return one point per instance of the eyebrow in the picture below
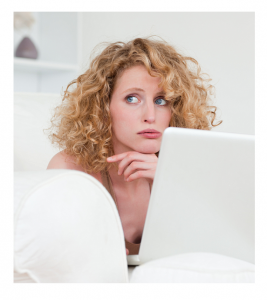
(141, 90)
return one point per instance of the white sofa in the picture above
(66, 225)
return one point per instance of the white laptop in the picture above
(202, 199)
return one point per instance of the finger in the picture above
(118, 157)
(135, 156)
(136, 165)
(141, 174)
(127, 251)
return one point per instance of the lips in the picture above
(148, 131)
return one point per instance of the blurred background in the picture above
(53, 48)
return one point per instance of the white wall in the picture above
(223, 44)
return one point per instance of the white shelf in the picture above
(57, 37)
(31, 65)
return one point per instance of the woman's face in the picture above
(138, 104)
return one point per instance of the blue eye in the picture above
(131, 99)
(161, 100)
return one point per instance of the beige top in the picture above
(133, 248)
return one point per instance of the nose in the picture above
(149, 112)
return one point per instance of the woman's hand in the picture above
(135, 165)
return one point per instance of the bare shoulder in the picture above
(63, 161)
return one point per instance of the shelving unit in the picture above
(56, 36)
(31, 65)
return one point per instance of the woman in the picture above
(110, 124)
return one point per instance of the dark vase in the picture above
(26, 49)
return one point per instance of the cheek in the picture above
(166, 118)
(122, 117)
(122, 121)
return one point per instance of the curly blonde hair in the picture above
(82, 123)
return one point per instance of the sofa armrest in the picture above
(195, 267)
(67, 229)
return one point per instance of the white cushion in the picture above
(195, 268)
(32, 114)
(67, 229)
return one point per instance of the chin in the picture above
(148, 149)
